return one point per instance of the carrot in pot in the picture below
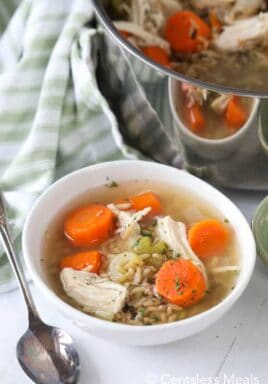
(82, 260)
(180, 282)
(144, 200)
(89, 225)
(235, 114)
(196, 119)
(187, 32)
(125, 34)
(157, 54)
(208, 238)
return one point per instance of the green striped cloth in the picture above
(68, 99)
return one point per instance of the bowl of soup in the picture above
(210, 124)
(137, 252)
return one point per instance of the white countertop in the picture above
(234, 349)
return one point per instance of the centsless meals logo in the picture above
(225, 379)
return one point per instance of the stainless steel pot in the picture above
(100, 8)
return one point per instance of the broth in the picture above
(181, 206)
(216, 125)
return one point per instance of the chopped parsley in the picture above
(145, 232)
(178, 284)
(112, 184)
(142, 311)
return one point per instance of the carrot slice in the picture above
(89, 225)
(208, 238)
(196, 119)
(235, 113)
(187, 32)
(144, 200)
(82, 260)
(180, 282)
(157, 54)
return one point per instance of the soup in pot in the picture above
(218, 41)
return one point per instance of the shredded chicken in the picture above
(245, 8)
(231, 268)
(219, 104)
(173, 233)
(129, 227)
(244, 33)
(96, 295)
(148, 38)
(151, 15)
(194, 94)
(229, 10)
(146, 20)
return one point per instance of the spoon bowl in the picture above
(48, 356)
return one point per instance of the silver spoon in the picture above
(46, 354)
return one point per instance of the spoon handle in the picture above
(14, 262)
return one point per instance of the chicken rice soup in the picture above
(140, 253)
(209, 114)
(219, 41)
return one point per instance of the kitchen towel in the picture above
(70, 97)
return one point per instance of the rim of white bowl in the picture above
(172, 83)
(227, 302)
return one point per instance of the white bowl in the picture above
(60, 194)
(207, 148)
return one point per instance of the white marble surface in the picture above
(232, 350)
